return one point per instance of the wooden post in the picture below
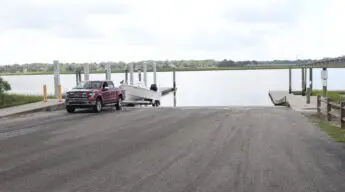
(309, 89)
(174, 78)
(290, 90)
(56, 65)
(302, 79)
(76, 78)
(342, 114)
(305, 79)
(318, 104)
(328, 109)
(45, 95)
(59, 93)
(311, 79)
(308, 95)
(145, 73)
(154, 66)
(131, 80)
(126, 76)
(175, 98)
(139, 75)
(79, 76)
(324, 91)
(86, 71)
(108, 72)
(324, 82)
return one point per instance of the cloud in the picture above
(62, 19)
(284, 12)
(95, 30)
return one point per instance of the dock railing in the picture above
(331, 109)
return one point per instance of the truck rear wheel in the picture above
(118, 105)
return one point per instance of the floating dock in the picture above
(296, 102)
(166, 90)
(278, 98)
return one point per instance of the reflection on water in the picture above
(200, 88)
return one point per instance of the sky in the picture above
(133, 30)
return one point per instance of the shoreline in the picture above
(170, 70)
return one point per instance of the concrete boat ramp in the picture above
(254, 149)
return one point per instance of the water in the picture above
(201, 88)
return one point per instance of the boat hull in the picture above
(134, 93)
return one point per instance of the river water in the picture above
(200, 88)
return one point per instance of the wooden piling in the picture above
(305, 79)
(126, 76)
(308, 95)
(45, 94)
(324, 81)
(86, 71)
(145, 73)
(311, 79)
(290, 89)
(329, 107)
(318, 104)
(131, 79)
(78, 76)
(59, 93)
(342, 114)
(56, 65)
(174, 79)
(302, 80)
(154, 66)
(175, 98)
(139, 75)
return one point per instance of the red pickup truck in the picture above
(95, 95)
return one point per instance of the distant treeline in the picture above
(71, 67)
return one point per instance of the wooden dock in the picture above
(296, 102)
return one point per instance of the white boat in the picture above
(136, 92)
(140, 92)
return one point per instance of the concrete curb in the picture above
(56, 107)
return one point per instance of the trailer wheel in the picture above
(156, 103)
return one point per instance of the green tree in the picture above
(4, 86)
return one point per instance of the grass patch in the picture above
(11, 100)
(336, 96)
(335, 132)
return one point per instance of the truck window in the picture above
(89, 85)
(111, 84)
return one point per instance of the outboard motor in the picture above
(153, 87)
